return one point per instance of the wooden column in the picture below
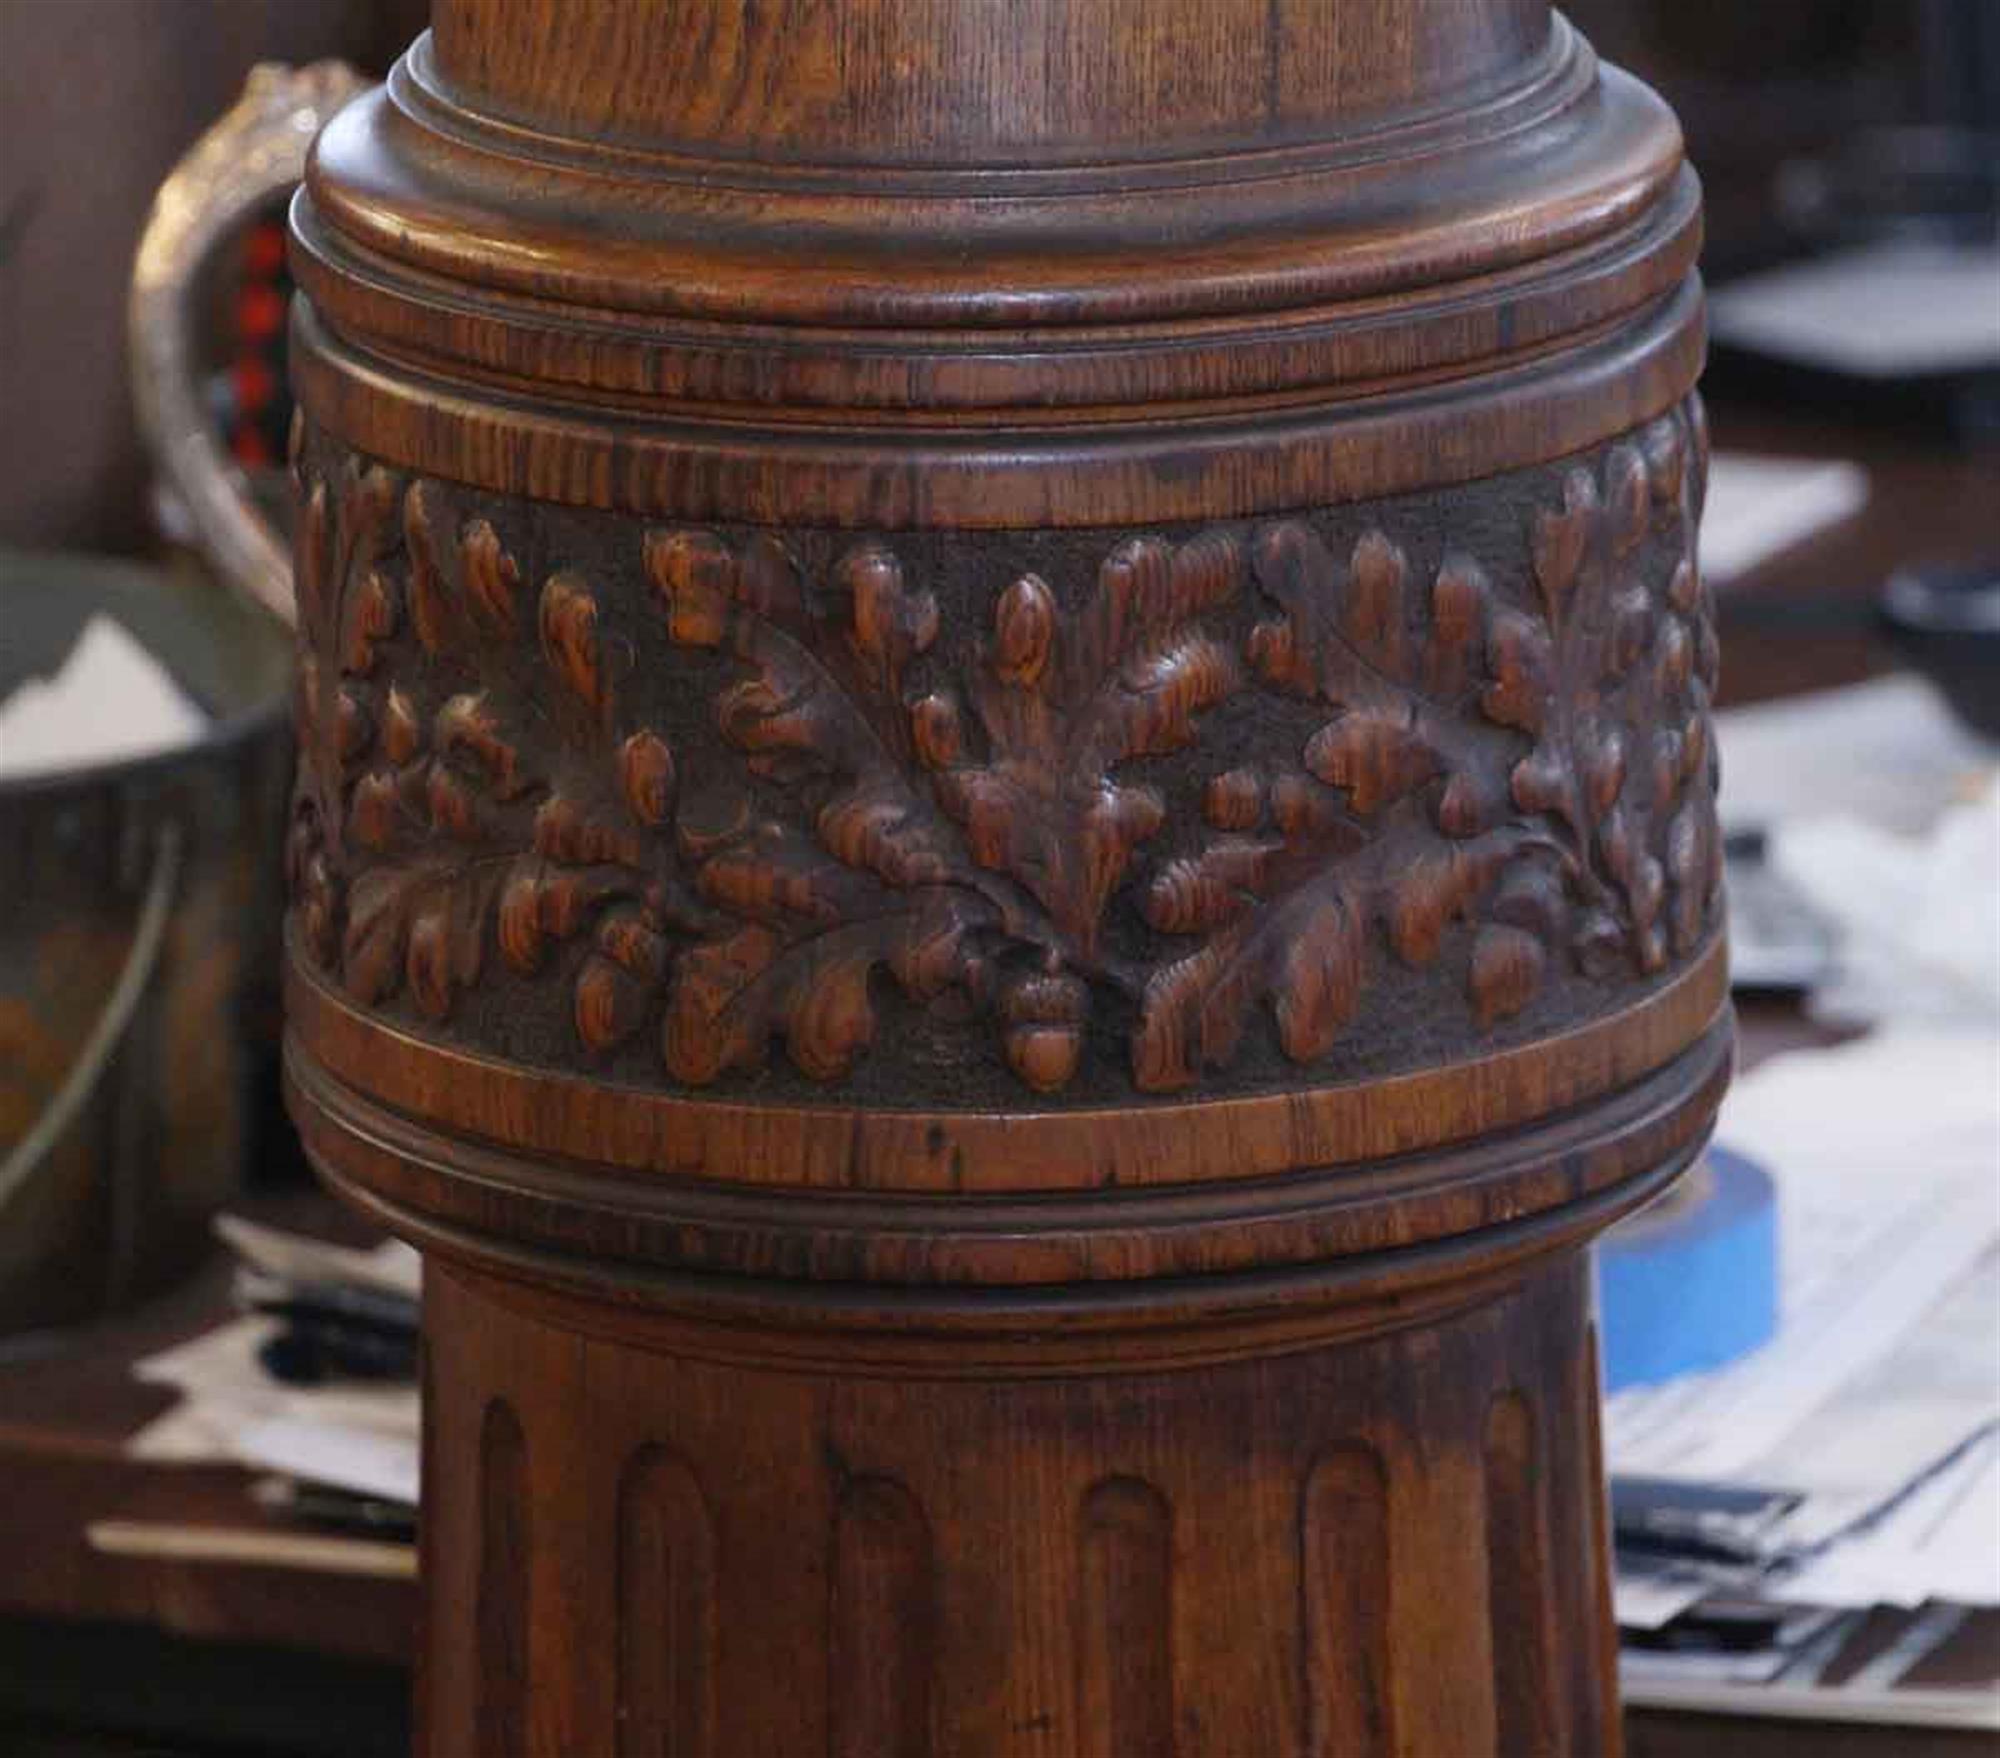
(1005, 839)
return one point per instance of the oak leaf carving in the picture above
(435, 826)
(1509, 783)
(1056, 704)
(872, 880)
(1610, 676)
(1385, 830)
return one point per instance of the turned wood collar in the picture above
(858, 274)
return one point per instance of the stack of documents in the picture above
(313, 1385)
(1854, 1461)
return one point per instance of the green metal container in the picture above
(139, 914)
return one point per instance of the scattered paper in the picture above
(1923, 1638)
(392, 1266)
(1893, 1706)
(1942, 1542)
(1888, 753)
(1757, 508)
(1927, 1401)
(1876, 1408)
(1648, 1593)
(1878, 1402)
(1881, 311)
(359, 1435)
(253, 1547)
(226, 1395)
(110, 700)
(1917, 917)
(1666, 1667)
(366, 1461)
(1885, 1155)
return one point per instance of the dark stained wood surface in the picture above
(925, 84)
(1198, 638)
(64, 1418)
(1005, 838)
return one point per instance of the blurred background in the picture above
(98, 99)
(208, 1426)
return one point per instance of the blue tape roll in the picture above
(1691, 1283)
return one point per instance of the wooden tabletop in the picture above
(67, 1412)
(66, 1416)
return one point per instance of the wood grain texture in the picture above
(922, 83)
(883, 1624)
(1386, 300)
(1125, 1657)
(667, 1596)
(500, 1603)
(1588, 1440)
(1005, 839)
(1200, 1562)
(1518, 1558)
(1345, 1582)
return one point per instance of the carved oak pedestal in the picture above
(1005, 839)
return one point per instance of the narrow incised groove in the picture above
(667, 1610)
(502, 1609)
(883, 1618)
(1125, 1661)
(1344, 1589)
(1521, 1577)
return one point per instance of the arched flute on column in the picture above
(1005, 839)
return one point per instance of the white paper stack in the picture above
(110, 700)
(1881, 311)
(1864, 1439)
(1759, 507)
(1886, 1154)
(355, 1436)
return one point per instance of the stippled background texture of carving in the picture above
(943, 819)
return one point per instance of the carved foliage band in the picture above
(727, 793)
